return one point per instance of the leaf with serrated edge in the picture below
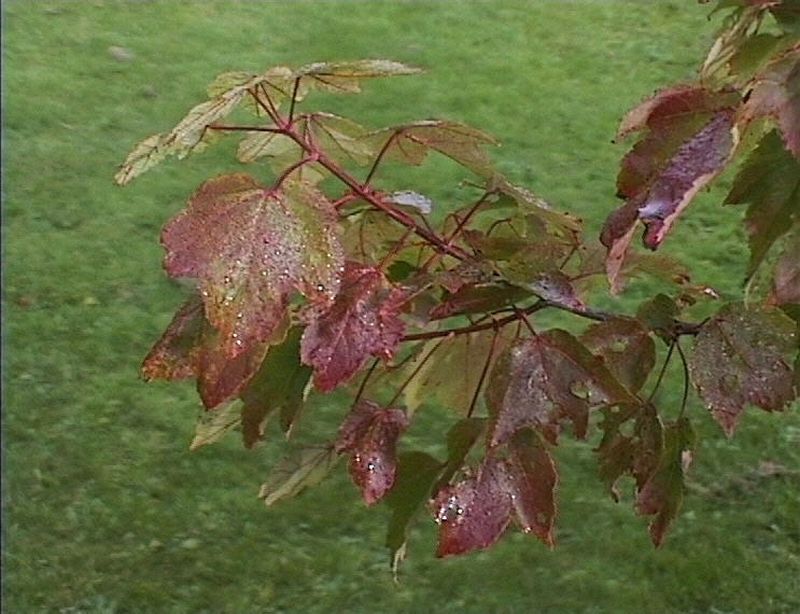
(251, 248)
(212, 425)
(541, 381)
(741, 357)
(627, 348)
(363, 321)
(532, 481)
(410, 143)
(770, 183)
(370, 434)
(662, 495)
(345, 77)
(175, 354)
(474, 513)
(227, 92)
(304, 468)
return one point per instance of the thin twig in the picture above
(484, 371)
(663, 370)
(685, 378)
(294, 99)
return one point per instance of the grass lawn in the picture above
(105, 508)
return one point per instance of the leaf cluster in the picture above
(310, 279)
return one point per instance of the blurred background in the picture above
(105, 508)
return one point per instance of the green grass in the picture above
(107, 511)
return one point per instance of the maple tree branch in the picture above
(474, 328)
(294, 99)
(290, 169)
(367, 194)
(484, 371)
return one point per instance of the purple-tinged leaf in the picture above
(541, 381)
(474, 513)
(369, 434)
(626, 347)
(220, 377)
(662, 494)
(251, 248)
(770, 183)
(688, 141)
(532, 481)
(363, 321)
(742, 356)
(175, 354)
(694, 165)
(301, 469)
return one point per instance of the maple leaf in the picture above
(345, 77)
(688, 142)
(741, 357)
(175, 354)
(416, 475)
(191, 134)
(662, 494)
(532, 480)
(474, 513)
(362, 321)
(775, 93)
(410, 143)
(191, 347)
(370, 434)
(302, 468)
(786, 282)
(626, 347)
(250, 248)
(453, 372)
(213, 425)
(540, 381)
(770, 182)
(637, 454)
(278, 386)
